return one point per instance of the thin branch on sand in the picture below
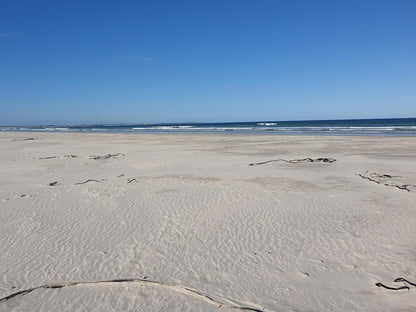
(387, 180)
(89, 180)
(178, 288)
(95, 157)
(295, 161)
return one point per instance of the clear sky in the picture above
(72, 62)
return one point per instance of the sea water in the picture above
(398, 127)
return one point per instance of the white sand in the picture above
(274, 237)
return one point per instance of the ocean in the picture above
(395, 127)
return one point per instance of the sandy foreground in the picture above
(183, 223)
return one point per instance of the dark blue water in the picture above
(399, 127)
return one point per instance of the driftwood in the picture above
(26, 139)
(131, 180)
(65, 156)
(295, 161)
(392, 288)
(398, 280)
(95, 157)
(89, 180)
(401, 279)
(387, 180)
(178, 288)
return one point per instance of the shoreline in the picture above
(226, 133)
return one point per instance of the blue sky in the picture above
(72, 62)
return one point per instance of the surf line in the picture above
(178, 288)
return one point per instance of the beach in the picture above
(204, 222)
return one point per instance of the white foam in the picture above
(267, 123)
